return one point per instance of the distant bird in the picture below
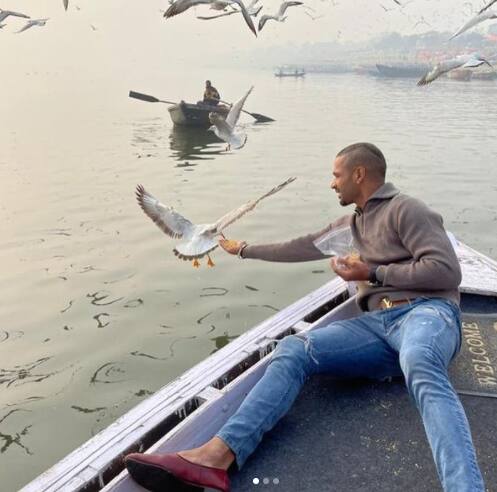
(465, 61)
(280, 15)
(313, 17)
(477, 19)
(252, 10)
(32, 23)
(66, 4)
(5, 13)
(487, 6)
(197, 240)
(180, 6)
(225, 128)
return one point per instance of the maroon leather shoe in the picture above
(172, 473)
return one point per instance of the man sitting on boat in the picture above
(410, 327)
(211, 95)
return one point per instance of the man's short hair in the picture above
(208, 82)
(367, 155)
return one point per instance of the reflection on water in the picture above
(194, 144)
(96, 311)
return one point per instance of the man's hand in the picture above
(350, 268)
(232, 246)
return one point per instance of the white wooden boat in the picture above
(356, 435)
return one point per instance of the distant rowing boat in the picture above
(368, 430)
(187, 114)
(289, 73)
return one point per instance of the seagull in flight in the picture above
(32, 23)
(464, 61)
(477, 19)
(5, 13)
(198, 240)
(179, 6)
(225, 128)
(280, 15)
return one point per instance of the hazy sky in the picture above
(134, 32)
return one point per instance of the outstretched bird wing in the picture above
(246, 16)
(166, 218)
(236, 109)
(231, 12)
(487, 6)
(5, 13)
(179, 6)
(440, 69)
(66, 4)
(285, 5)
(234, 215)
(485, 15)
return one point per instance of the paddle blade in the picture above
(261, 118)
(143, 97)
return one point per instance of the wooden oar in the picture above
(259, 117)
(145, 97)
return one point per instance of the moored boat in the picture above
(368, 431)
(187, 114)
(402, 71)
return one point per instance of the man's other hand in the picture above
(350, 268)
(232, 246)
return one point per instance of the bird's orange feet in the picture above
(196, 264)
(209, 261)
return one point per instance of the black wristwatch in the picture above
(372, 276)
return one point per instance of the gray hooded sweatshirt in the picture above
(394, 232)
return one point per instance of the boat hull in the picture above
(378, 419)
(194, 115)
(402, 71)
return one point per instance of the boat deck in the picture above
(367, 435)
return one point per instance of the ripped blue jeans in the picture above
(416, 340)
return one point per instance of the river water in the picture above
(97, 313)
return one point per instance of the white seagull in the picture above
(5, 13)
(225, 128)
(280, 15)
(197, 240)
(477, 19)
(32, 23)
(179, 6)
(464, 61)
(252, 10)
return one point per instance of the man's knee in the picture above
(293, 352)
(422, 368)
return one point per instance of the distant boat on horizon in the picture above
(412, 70)
(289, 72)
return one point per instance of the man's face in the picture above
(343, 182)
